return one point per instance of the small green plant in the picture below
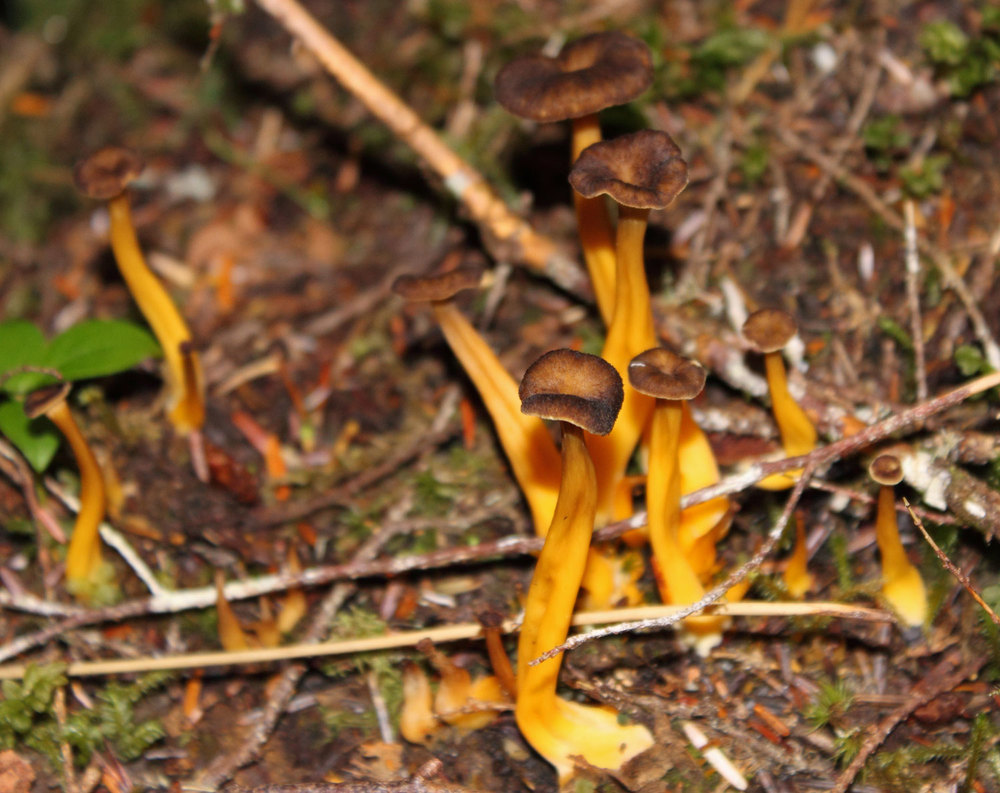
(926, 177)
(885, 140)
(26, 716)
(831, 704)
(94, 348)
(964, 62)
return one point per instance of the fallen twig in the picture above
(655, 616)
(949, 565)
(942, 678)
(513, 238)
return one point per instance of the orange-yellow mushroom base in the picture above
(557, 729)
(902, 585)
(186, 404)
(798, 434)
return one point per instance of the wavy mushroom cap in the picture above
(439, 287)
(590, 74)
(643, 170)
(886, 470)
(664, 374)
(565, 385)
(769, 329)
(42, 400)
(106, 173)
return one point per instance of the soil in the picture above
(278, 213)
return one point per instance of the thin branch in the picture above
(711, 596)
(513, 237)
(913, 298)
(649, 616)
(949, 565)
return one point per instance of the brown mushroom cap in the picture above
(886, 470)
(643, 169)
(769, 329)
(566, 385)
(106, 173)
(438, 287)
(590, 74)
(41, 400)
(664, 374)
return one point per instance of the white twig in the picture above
(714, 756)
(913, 297)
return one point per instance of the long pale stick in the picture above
(515, 238)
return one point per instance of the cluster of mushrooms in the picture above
(635, 396)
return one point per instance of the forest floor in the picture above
(341, 430)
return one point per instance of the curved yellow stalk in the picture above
(797, 577)
(630, 333)
(83, 559)
(184, 377)
(702, 525)
(597, 235)
(533, 455)
(902, 585)
(560, 730)
(798, 435)
(676, 578)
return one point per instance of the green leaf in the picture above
(36, 439)
(95, 348)
(969, 360)
(21, 344)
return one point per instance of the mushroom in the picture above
(530, 449)
(105, 176)
(590, 74)
(83, 559)
(671, 380)
(583, 393)
(769, 330)
(902, 585)
(798, 580)
(641, 171)
(417, 722)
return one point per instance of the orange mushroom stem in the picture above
(769, 330)
(530, 449)
(105, 175)
(671, 380)
(798, 580)
(581, 392)
(902, 585)
(641, 171)
(83, 559)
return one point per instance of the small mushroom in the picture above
(671, 380)
(583, 393)
(769, 330)
(533, 456)
(105, 175)
(590, 74)
(640, 171)
(83, 558)
(902, 585)
(798, 580)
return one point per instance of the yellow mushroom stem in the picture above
(560, 730)
(597, 235)
(83, 559)
(533, 455)
(630, 333)
(677, 580)
(902, 585)
(702, 525)
(797, 577)
(186, 404)
(417, 722)
(798, 435)
(231, 633)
